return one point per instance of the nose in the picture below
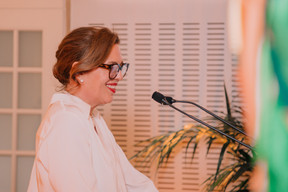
(119, 76)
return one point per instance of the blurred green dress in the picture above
(272, 145)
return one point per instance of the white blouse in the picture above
(72, 157)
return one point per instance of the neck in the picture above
(75, 89)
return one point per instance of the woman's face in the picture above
(96, 88)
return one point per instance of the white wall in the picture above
(44, 23)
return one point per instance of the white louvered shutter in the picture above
(180, 53)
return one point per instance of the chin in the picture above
(107, 101)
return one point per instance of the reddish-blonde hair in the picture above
(88, 46)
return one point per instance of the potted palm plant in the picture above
(158, 149)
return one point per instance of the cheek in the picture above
(97, 87)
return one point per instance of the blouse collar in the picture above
(68, 99)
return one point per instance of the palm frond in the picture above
(223, 149)
(209, 143)
(228, 108)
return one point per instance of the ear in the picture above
(77, 78)
(74, 65)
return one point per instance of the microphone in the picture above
(160, 98)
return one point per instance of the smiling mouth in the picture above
(112, 87)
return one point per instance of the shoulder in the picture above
(63, 119)
(59, 110)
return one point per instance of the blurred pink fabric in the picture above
(72, 156)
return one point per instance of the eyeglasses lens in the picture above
(124, 70)
(115, 70)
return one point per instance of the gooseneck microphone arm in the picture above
(162, 100)
(207, 125)
(214, 115)
(158, 96)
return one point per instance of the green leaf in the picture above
(247, 157)
(224, 147)
(211, 139)
(188, 144)
(194, 149)
(241, 187)
(219, 180)
(240, 171)
(228, 108)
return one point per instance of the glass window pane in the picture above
(30, 49)
(24, 168)
(6, 90)
(6, 48)
(27, 128)
(5, 131)
(5, 173)
(29, 90)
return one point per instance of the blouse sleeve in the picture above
(70, 164)
(135, 180)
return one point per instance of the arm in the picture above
(135, 181)
(69, 159)
(253, 26)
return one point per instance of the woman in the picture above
(75, 151)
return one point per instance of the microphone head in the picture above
(158, 97)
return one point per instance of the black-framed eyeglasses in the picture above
(115, 68)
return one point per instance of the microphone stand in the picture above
(207, 125)
(214, 115)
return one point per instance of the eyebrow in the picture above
(114, 62)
